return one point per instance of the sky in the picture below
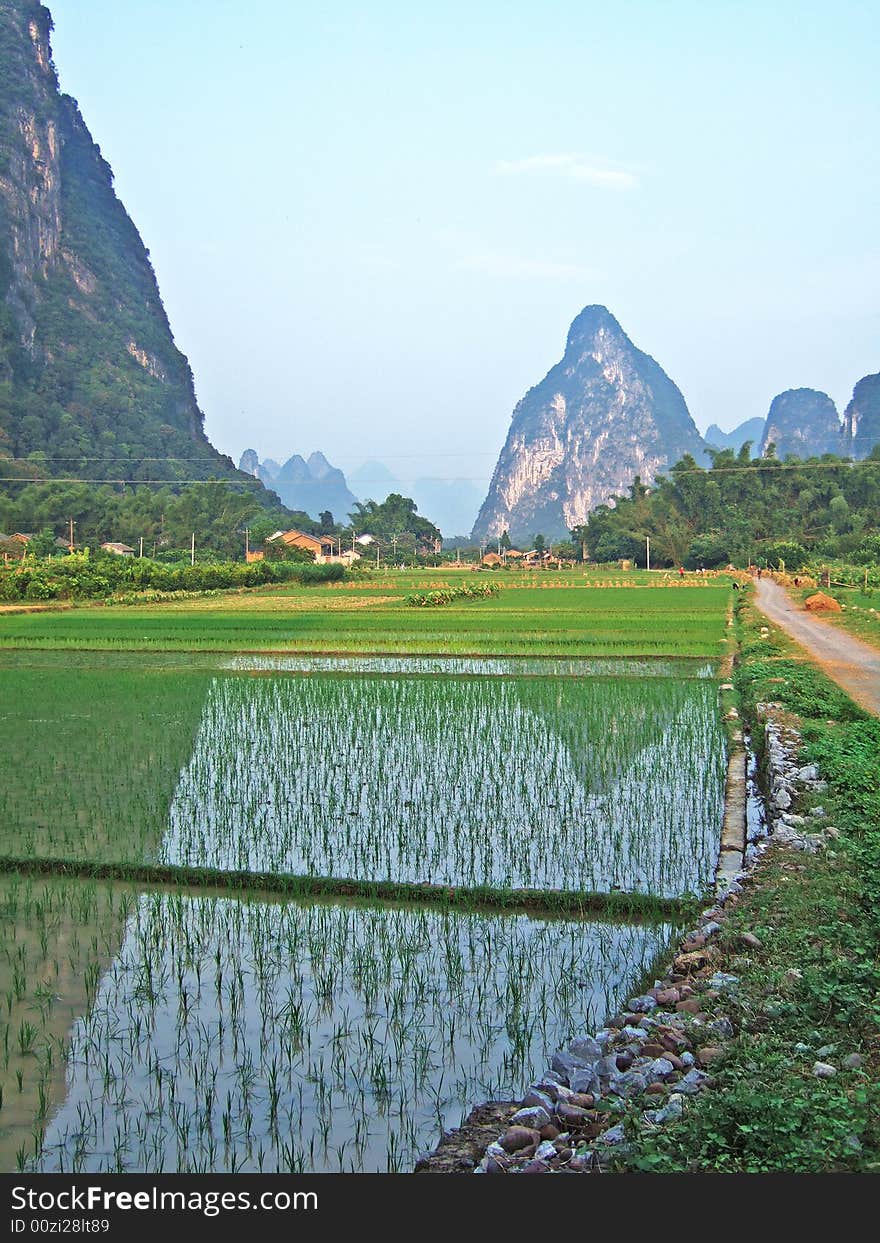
(372, 223)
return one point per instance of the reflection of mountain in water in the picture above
(524, 783)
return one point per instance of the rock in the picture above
(824, 1070)
(606, 1067)
(583, 1081)
(708, 1054)
(690, 1005)
(518, 1137)
(604, 392)
(533, 1117)
(625, 1059)
(668, 1113)
(642, 1005)
(723, 980)
(659, 1069)
(692, 1082)
(668, 996)
(827, 1050)
(711, 928)
(631, 1083)
(571, 1115)
(821, 603)
(782, 799)
(549, 1132)
(556, 1091)
(614, 1135)
(585, 1048)
(546, 1152)
(536, 1099)
(491, 1166)
(808, 773)
(722, 1028)
(583, 1100)
(750, 941)
(655, 1089)
(852, 1061)
(535, 1167)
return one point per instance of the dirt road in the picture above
(851, 663)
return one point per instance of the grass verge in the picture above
(811, 991)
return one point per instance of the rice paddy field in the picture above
(558, 738)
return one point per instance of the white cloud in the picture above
(495, 264)
(574, 167)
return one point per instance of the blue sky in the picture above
(373, 223)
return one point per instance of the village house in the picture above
(324, 548)
(118, 550)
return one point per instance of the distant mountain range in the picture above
(315, 487)
(607, 413)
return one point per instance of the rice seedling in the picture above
(510, 783)
(389, 1044)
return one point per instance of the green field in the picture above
(510, 764)
(570, 616)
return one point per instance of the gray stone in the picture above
(537, 1099)
(586, 1048)
(693, 1081)
(545, 1151)
(809, 772)
(630, 1083)
(534, 1116)
(824, 1070)
(658, 1069)
(585, 1081)
(710, 929)
(852, 1061)
(827, 1050)
(606, 1067)
(722, 1027)
(642, 1005)
(722, 980)
(782, 799)
(668, 1113)
(614, 1135)
(556, 1091)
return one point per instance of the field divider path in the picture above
(852, 664)
(731, 856)
(629, 907)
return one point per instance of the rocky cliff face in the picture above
(861, 419)
(604, 414)
(92, 376)
(802, 423)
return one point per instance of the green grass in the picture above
(564, 620)
(816, 980)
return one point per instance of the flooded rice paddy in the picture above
(186, 1030)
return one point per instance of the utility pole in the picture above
(141, 553)
(247, 546)
(70, 545)
(192, 551)
(377, 554)
(647, 552)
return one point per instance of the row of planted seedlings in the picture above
(237, 1033)
(218, 1033)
